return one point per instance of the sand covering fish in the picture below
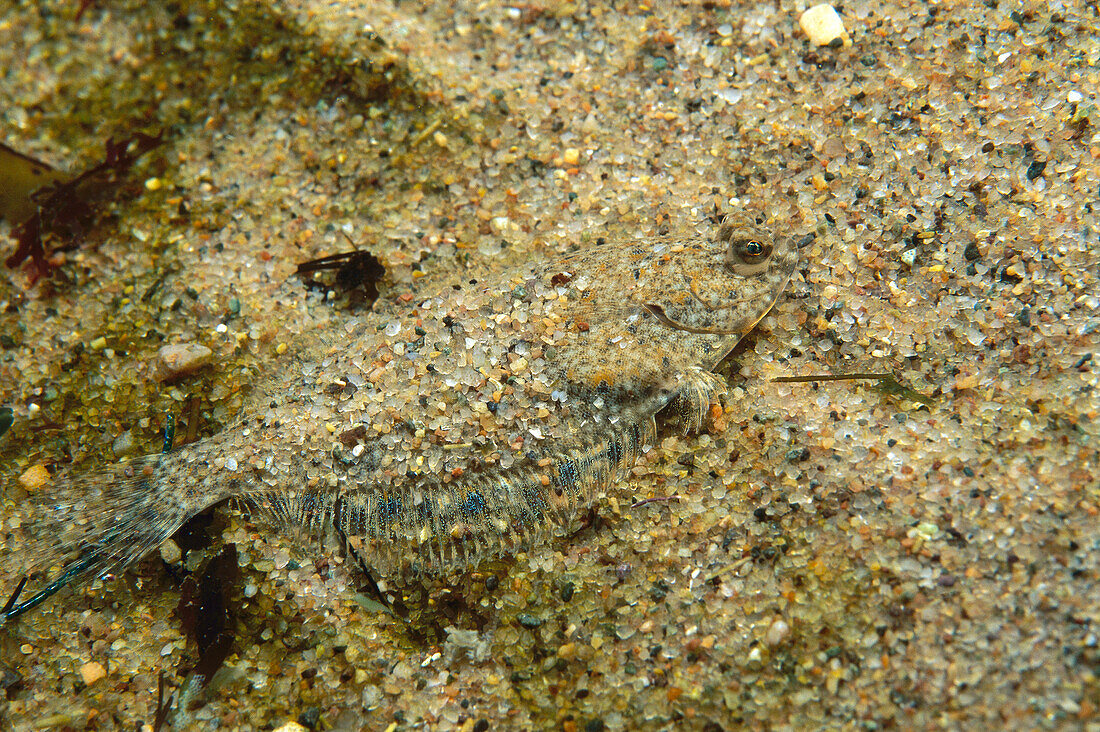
(482, 419)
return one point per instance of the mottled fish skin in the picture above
(478, 421)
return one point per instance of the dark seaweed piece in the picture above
(207, 612)
(11, 611)
(355, 270)
(163, 709)
(13, 598)
(84, 5)
(63, 208)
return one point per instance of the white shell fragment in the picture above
(823, 26)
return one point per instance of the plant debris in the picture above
(887, 384)
(62, 209)
(163, 708)
(357, 274)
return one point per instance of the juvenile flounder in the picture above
(478, 421)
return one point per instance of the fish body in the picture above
(480, 419)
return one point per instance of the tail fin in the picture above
(85, 527)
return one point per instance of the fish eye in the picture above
(750, 251)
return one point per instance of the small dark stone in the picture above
(946, 580)
(528, 621)
(867, 59)
(891, 442)
(492, 582)
(972, 253)
(760, 514)
(594, 725)
(481, 725)
(567, 591)
(310, 717)
(1035, 169)
(988, 147)
(798, 454)
(1024, 317)
(968, 471)
(972, 270)
(7, 419)
(10, 680)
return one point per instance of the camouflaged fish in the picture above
(480, 420)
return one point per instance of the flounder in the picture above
(481, 419)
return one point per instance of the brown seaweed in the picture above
(64, 208)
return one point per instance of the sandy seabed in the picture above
(829, 555)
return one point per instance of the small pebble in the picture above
(170, 552)
(798, 454)
(181, 359)
(777, 633)
(92, 672)
(124, 444)
(310, 717)
(528, 621)
(291, 727)
(824, 27)
(34, 478)
(571, 156)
